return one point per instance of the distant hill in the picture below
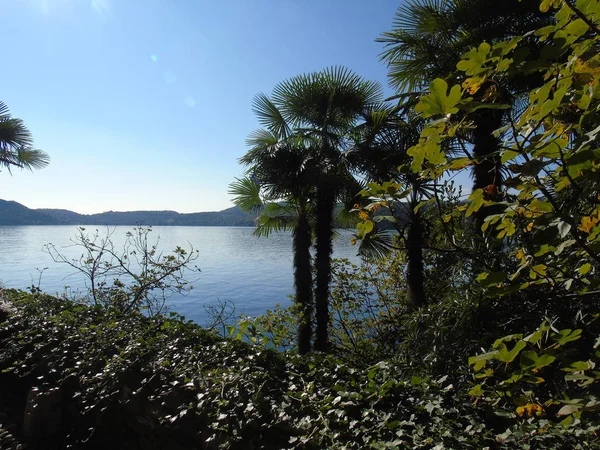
(13, 213)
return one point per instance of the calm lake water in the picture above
(254, 273)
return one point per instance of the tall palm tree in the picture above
(319, 112)
(427, 41)
(278, 186)
(325, 108)
(16, 144)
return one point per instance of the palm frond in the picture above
(275, 217)
(422, 16)
(345, 217)
(261, 138)
(247, 192)
(14, 133)
(376, 246)
(30, 158)
(270, 116)
(16, 144)
(3, 110)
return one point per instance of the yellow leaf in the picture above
(587, 223)
(459, 163)
(521, 256)
(472, 85)
(547, 4)
(583, 67)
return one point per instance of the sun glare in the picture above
(53, 6)
(100, 6)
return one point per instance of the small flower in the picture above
(363, 215)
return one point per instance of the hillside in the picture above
(13, 213)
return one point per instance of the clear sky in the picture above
(146, 104)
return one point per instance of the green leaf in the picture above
(530, 360)
(531, 168)
(479, 361)
(584, 269)
(474, 60)
(476, 391)
(539, 270)
(438, 102)
(509, 338)
(429, 148)
(565, 336)
(459, 163)
(475, 202)
(506, 228)
(508, 155)
(365, 227)
(578, 366)
(506, 355)
(490, 279)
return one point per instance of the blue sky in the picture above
(146, 104)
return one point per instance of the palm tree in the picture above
(318, 112)
(16, 144)
(278, 186)
(383, 147)
(427, 41)
(325, 108)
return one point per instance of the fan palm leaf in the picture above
(16, 144)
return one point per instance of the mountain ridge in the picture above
(14, 213)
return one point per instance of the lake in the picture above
(254, 273)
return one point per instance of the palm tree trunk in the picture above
(324, 232)
(303, 282)
(486, 171)
(414, 263)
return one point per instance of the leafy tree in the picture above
(549, 221)
(16, 144)
(551, 148)
(427, 41)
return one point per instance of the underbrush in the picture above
(123, 377)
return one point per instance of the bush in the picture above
(135, 277)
